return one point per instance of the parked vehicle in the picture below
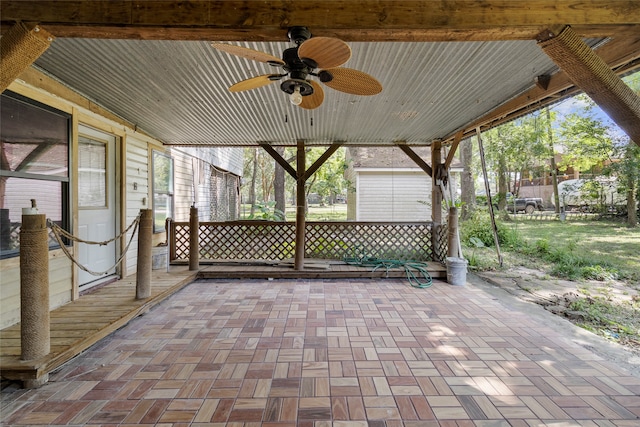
(517, 204)
(524, 204)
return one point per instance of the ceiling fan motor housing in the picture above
(298, 34)
(298, 72)
(289, 86)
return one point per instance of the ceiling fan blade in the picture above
(327, 52)
(254, 82)
(245, 52)
(314, 100)
(353, 81)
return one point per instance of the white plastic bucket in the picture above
(456, 271)
(158, 257)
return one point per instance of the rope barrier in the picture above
(70, 236)
(59, 233)
(413, 269)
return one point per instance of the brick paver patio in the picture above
(332, 353)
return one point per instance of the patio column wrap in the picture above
(589, 72)
(143, 272)
(452, 232)
(194, 239)
(19, 48)
(35, 333)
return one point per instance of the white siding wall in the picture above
(138, 174)
(393, 196)
(59, 286)
(192, 166)
(137, 194)
(225, 158)
(183, 176)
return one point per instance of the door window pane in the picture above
(92, 173)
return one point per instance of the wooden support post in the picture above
(300, 207)
(436, 197)
(594, 77)
(452, 233)
(194, 239)
(436, 193)
(35, 335)
(143, 272)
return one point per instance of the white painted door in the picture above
(97, 210)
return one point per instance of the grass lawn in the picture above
(608, 244)
(337, 212)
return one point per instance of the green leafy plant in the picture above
(475, 243)
(479, 226)
(267, 211)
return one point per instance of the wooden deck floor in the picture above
(80, 324)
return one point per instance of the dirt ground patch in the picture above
(609, 309)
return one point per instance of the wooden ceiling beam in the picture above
(365, 20)
(347, 34)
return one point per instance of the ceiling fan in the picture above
(320, 57)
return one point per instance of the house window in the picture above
(162, 190)
(34, 164)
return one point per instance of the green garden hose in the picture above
(413, 269)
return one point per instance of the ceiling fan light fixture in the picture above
(296, 88)
(296, 96)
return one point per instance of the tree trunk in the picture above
(632, 213)
(467, 185)
(252, 184)
(267, 177)
(278, 184)
(554, 170)
(502, 183)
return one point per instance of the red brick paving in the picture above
(343, 353)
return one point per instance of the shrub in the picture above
(479, 226)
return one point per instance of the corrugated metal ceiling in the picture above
(177, 91)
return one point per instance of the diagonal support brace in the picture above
(19, 48)
(589, 72)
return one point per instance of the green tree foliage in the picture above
(327, 182)
(513, 148)
(586, 139)
(593, 144)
